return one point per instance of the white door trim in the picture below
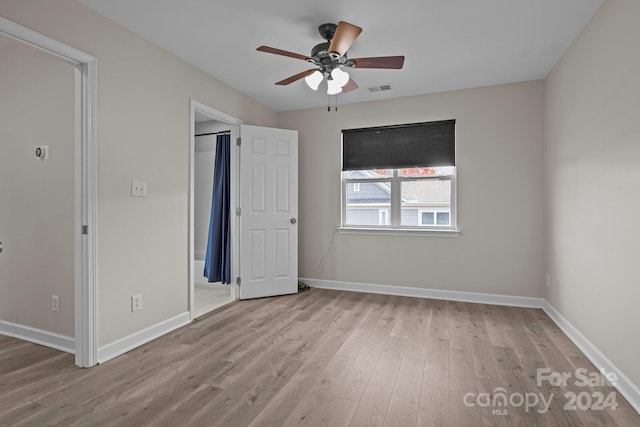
(234, 171)
(85, 265)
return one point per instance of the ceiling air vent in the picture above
(380, 88)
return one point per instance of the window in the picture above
(427, 218)
(436, 218)
(384, 215)
(402, 180)
(424, 197)
(443, 218)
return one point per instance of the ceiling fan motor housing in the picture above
(327, 31)
(320, 51)
(326, 60)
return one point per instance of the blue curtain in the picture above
(217, 265)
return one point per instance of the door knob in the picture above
(1, 247)
(293, 220)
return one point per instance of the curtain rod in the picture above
(214, 133)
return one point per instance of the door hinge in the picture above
(238, 281)
(238, 141)
(85, 229)
(238, 211)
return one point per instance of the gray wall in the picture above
(36, 197)
(500, 195)
(592, 144)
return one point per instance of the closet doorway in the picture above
(207, 127)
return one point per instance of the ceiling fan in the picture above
(330, 58)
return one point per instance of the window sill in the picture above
(399, 231)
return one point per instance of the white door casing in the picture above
(268, 212)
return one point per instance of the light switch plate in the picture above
(138, 188)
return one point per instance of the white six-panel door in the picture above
(269, 212)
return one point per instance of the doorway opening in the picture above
(84, 246)
(263, 192)
(206, 124)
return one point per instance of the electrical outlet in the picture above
(138, 188)
(136, 303)
(548, 280)
(55, 303)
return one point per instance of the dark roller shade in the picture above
(428, 144)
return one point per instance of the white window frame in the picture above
(395, 182)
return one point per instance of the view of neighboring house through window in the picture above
(420, 196)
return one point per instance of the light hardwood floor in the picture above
(319, 358)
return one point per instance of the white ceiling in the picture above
(448, 44)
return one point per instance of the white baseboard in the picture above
(474, 297)
(624, 385)
(38, 336)
(121, 346)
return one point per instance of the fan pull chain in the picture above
(329, 103)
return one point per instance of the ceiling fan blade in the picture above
(389, 62)
(351, 85)
(296, 77)
(273, 50)
(344, 37)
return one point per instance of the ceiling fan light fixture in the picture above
(333, 87)
(314, 79)
(330, 59)
(340, 77)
